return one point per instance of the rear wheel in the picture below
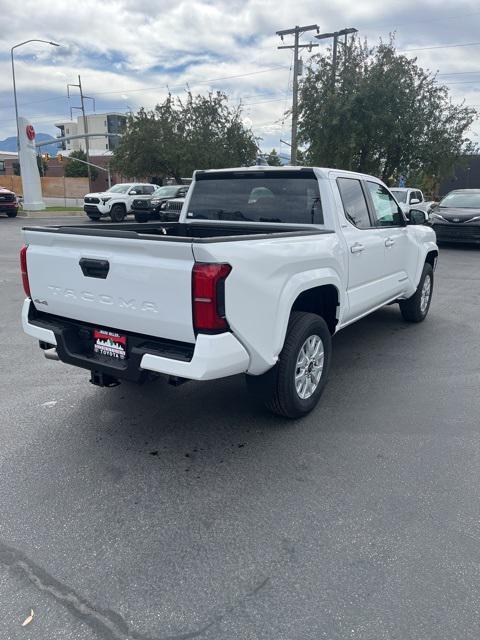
(415, 309)
(294, 385)
(12, 214)
(141, 217)
(118, 213)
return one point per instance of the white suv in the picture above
(117, 201)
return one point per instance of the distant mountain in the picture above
(10, 144)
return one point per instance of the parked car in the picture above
(172, 209)
(456, 218)
(8, 202)
(408, 197)
(152, 207)
(241, 284)
(116, 202)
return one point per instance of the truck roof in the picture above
(322, 171)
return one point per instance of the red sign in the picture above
(30, 132)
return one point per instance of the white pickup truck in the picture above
(117, 201)
(264, 266)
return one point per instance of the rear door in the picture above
(366, 252)
(114, 280)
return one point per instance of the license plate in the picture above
(109, 343)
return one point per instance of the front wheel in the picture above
(12, 214)
(415, 308)
(294, 385)
(118, 213)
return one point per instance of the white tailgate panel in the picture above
(147, 289)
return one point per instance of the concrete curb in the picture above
(49, 214)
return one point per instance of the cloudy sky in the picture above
(129, 52)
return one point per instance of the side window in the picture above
(385, 209)
(148, 189)
(354, 204)
(420, 196)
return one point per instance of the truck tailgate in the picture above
(132, 284)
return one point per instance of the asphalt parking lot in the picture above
(155, 513)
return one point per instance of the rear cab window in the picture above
(283, 196)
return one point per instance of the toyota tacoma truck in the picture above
(116, 202)
(263, 267)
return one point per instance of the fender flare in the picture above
(296, 285)
(427, 247)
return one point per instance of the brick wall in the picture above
(52, 187)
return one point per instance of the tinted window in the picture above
(148, 189)
(354, 203)
(260, 196)
(385, 209)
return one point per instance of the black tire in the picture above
(276, 388)
(12, 214)
(118, 213)
(93, 218)
(414, 309)
(141, 217)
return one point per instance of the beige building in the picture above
(101, 123)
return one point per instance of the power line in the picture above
(441, 46)
(160, 86)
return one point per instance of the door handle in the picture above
(389, 242)
(357, 247)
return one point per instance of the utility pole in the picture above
(296, 32)
(335, 35)
(85, 123)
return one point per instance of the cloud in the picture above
(131, 52)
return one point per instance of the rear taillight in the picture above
(24, 270)
(208, 296)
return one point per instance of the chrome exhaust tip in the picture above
(51, 354)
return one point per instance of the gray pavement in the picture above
(152, 512)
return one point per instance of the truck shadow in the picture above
(220, 416)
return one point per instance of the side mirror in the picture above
(133, 192)
(414, 201)
(417, 216)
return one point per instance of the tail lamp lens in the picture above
(208, 293)
(24, 270)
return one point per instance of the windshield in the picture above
(119, 188)
(270, 196)
(459, 200)
(401, 196)
(165, 192)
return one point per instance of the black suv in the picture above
(152, 207)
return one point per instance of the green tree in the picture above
(381, 114)
(42, 164)
(78, 169)
(273, 159)
(179, 136)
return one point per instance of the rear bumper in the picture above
(211, 357)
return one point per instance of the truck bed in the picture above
(185, 232)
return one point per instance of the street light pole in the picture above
(20, 44)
